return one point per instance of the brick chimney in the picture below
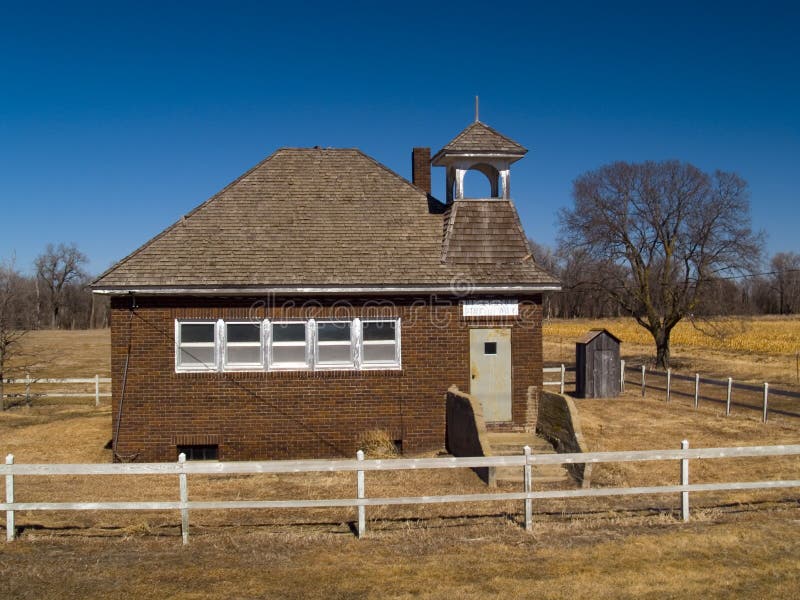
(421, 168)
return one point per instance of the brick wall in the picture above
(421, 168)
(260, 415)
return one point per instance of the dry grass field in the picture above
(754, 349)
(736, 545)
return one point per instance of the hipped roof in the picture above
(327, 217)
(479, 138)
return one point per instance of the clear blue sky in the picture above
(115, 119)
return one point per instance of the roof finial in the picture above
(476, 109)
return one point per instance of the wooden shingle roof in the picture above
(480, 138)
(320, 217)
(484, 232)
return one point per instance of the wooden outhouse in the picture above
(597, 365)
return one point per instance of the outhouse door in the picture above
(490, 371)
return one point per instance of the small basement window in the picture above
(196, 345)
(200, 452)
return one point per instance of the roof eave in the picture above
(443, 153)
(500, 288)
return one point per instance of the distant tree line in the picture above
(54, 296)
(773, 291)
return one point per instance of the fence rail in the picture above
(525, 461)
(729, 384)
(28, 382)
(562, 370)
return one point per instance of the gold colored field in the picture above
(756, 335)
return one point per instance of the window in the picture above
(196, 342)
(243, 345)
(490, 347)
(200, 452)
(334, 343)
(288, 345)
(380, 343)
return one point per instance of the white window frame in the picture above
(255, 366)
(307, 344)
(180, 345)
(383, 364)
(312, 345)
(351, 364)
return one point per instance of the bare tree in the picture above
(670, 227)
(10, 331)
(786, 281)
(56, 269)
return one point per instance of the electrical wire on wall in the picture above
(114, 441)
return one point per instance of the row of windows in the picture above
(290, 345)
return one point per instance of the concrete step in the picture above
(509, 444)
(540, 474)
(512, 444)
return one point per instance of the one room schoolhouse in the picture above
(320, 297)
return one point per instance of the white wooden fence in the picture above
(668, 376)
(562, 371)
(525, 461)
(30, 382)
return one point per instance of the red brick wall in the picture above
(263, 415)
(421, 168)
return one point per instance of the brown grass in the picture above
(741, 545)
(62, 354)
(753, 349)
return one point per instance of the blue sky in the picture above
(117, 118)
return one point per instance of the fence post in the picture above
(669, 382)
(685, 481)
(527, 483)
(563, 372)
(766, 395)
(184, 498)
(10, 530)
(97, 390)
(27, 389)
(643, 370)
(362, 517)
(696, 389)
(622, 375)
(728, 397)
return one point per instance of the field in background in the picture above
(753, 349)
(67, 354)
(741, 544)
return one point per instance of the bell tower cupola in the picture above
(479, 148)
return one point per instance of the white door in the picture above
(490, 371)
